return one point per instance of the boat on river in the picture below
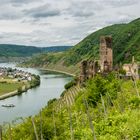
(8, 105)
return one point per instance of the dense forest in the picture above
(106, 108)
(7, 50)
(126, 43)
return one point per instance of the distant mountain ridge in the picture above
(8, 50)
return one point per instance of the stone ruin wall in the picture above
(90, 68)
(106, 54)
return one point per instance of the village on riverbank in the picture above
(14, 82)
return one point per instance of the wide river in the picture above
(31, 102)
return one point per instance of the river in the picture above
(31, 102)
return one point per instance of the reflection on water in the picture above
(30, 102)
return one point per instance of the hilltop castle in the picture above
(105, 64)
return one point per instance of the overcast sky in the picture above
(60, 22)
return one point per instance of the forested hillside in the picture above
(17, 50)
(7, 50)
(126, 43)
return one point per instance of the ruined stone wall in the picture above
(132, 69)
(91, 71)
(106, 54)
(83, 74)
(88, 70)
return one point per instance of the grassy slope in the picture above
(121, 120)
(126, 43)
(9, 87)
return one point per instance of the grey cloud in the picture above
(9, 13)
(71, 21)
(118, 3)
(23, 1)
(6, 16)
(17, 2)
(42, 11)
(120, 18)
(82, 9)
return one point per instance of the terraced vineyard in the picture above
(69, 97)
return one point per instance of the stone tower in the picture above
(106, 54)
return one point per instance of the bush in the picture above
(100, 85)
(123, 72)
(20, 90)
(135, 102)
(63, 93)
(51, 101)
(70, 84)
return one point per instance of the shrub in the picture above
(100, 85)
(51, 101)
(70, 84)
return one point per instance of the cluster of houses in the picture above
(17, 75)
(104, 65)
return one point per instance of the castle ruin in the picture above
(106, 54)
(104, 65)
(88, 70)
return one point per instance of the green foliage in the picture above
(43, 59)
(7, 50)
(51, 101)
(122, 71)
(6, 87)
(102, 86)
(134, 102)
(63, 93)
(70, 84)
(35, 81)
(20, 90)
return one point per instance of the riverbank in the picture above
(72, 70)
(20, 89)
(29, 103)
(58, 71)
(15, 92)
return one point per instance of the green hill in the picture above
(126, 43)
(8, 50)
